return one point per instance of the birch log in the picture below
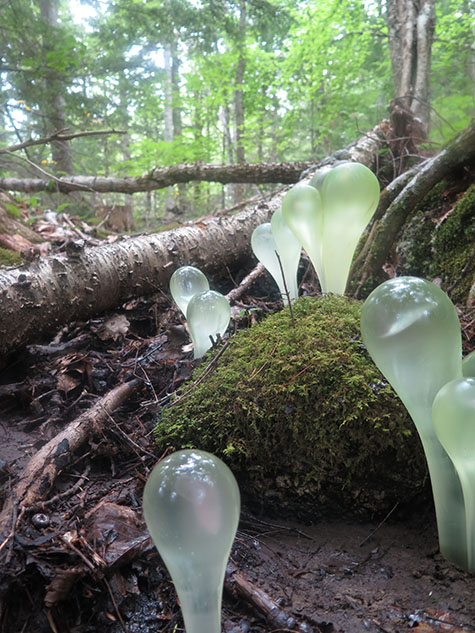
(55, 290)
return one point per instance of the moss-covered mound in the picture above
(303, 417)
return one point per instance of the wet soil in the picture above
(80, 560)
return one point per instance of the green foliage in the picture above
(302, 411)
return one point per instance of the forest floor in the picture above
(80, 560)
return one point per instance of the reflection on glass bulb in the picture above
(264, 247)
(303, 213)
(185, 282)
(453, 415)
(289, 250)
(412, 331)
(468, 365)
(208, 314)
(350, 194)
(191, 505)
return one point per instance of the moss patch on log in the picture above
(439, 241)
(303, 416)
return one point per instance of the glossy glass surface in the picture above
(185, 282)
(350, 195)
(191, 505)
(412, 331)
(468, 365)
(264, 247)
(453, 415)
(303, 212)
(290, 251)
(208, 314)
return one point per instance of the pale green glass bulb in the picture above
(468, 365)
(411, 329)
(350, 194)
(319, 176)
(289, 250)
(453, 415)
(264, 247)
(185, 282)
(303, 212)
(191, 505)
(208, 314)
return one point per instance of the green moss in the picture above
(303, 416)
(453, 244)
(437, 246)
(10, 258)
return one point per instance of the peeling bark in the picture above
(411, 25)
(56, 290)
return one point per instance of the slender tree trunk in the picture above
(411, 25)
(60, 150)
(238, 190)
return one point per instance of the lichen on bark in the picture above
(303, 417)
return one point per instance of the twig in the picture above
(286, 290)
(57, 136)
(248, 280)
(235, 582)
(373, 532)
(45, 173)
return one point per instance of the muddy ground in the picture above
(78, 560)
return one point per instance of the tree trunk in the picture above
(411, 25)
(56, 290)
(238, 189)
(61, 153)
(384, 233)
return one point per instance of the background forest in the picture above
(217, 81)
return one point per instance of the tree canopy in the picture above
(215, 82)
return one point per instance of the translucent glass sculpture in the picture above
(264, 246)
(303, 212)
(289, 250)
(208, 315)
(319, 176)
(412, 332)
(453, 416)
(468, 365)
(191, 505)
(350, 194)
(186, 282)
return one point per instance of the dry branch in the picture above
(261, 601)
(56, 136)
(41, 471)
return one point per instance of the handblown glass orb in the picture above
(303, 213)
(208, 314)
(453, 415)
(191, 505)
(412, 332)
(350, 194)
(185, 282)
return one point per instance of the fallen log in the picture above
(159, 178)
(55, 290)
